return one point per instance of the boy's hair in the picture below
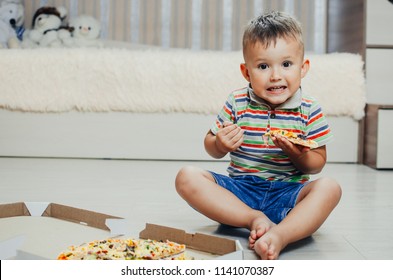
(267, 28)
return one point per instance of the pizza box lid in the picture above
(59, 211)
(25, 224)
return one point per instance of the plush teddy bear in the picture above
(47, 28)
(11, 14)
(85, 32)
(18, 20)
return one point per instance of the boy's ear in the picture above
(244, 70)
(305, 68)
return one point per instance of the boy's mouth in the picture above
(276, 88)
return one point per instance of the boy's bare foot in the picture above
(258, 228)
(269, 246)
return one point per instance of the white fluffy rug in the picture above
(101, 80)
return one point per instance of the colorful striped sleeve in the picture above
(227, 113)
(317, 128)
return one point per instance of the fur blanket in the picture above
(155, 80)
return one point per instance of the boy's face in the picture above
(275, 71)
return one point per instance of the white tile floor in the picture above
(361, 227)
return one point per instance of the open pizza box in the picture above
(41, 230)
(200, 246)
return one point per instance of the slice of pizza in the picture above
(293, 137)
(148, 249)
(125, 249)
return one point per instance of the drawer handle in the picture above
(391, 1)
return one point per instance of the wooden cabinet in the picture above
(378, 144)
(378, 140)
(379, 73)
(379, 23)
(379, 51)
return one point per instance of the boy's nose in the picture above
(275, 74)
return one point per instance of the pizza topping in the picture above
(125, 249)
(293, 137)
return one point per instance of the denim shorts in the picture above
(274, 198)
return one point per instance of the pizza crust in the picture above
(293, 137)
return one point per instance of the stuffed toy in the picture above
(18, 20)
(47, 28)
(85, 32)
(11, 14)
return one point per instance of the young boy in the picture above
(268, 189)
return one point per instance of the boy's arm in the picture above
(227, 139)
(311, 161)
(306, 160)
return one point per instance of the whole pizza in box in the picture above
(125, 249)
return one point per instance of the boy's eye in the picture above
(263, 66)
(287, 64)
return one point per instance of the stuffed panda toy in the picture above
(47, 28)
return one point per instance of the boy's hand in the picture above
(306, 160)
(288, 147)
(229, 138)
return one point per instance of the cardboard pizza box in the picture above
(200, 246)
(58, 211)
(24, 226)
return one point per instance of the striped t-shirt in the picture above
(300, 114)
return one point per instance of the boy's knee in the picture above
(333, 188)
(190, 180)
(338, 190)
(184, 173)
(184, 177)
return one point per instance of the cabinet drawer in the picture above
(378, 137)
(384, 140)
(379, 71)
(379, 22)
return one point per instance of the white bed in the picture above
(133, 103)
